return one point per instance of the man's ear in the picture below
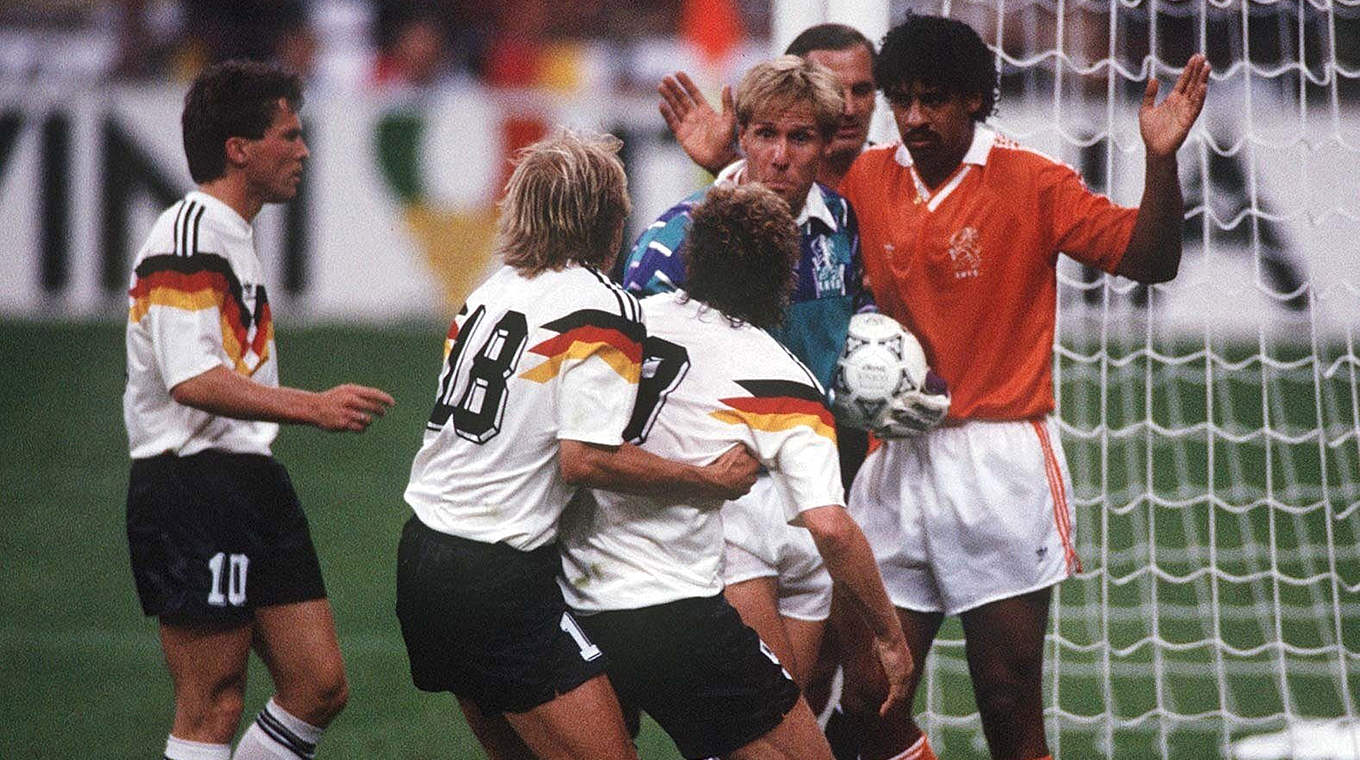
(974, 104)
(237, 151)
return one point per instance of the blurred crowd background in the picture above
(384, 44)
(570, 45)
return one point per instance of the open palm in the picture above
(1164, 125)
(705, 134)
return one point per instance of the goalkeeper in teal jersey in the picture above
(787, 112)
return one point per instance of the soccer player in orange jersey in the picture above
(961, 230)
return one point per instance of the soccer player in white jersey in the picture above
(538, 383)
(219, 544)
(644, 572)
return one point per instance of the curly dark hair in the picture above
(232, 99)
(939, 52)
(740, 254)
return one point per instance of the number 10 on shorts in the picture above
(233, 567)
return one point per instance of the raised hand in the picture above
(1164, 126)
(705, 135)
(350, 407)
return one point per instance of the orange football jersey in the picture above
(970, 268)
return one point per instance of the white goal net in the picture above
(1212, 424)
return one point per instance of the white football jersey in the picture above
(706, 385)
(528, 362)
(197, 300)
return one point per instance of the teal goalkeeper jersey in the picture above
(830, 275)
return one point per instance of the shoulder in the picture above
(590, 289)
(1008, 156)
(869, 168)
(673, 223)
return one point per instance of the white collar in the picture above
(813, 208)
(227, 213)
(984, 138)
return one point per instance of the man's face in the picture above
(783, 152)
(854, 69)
(273, 163)
(936, 126)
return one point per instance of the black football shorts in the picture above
(215, 535)
(701, 673)
(487, 621)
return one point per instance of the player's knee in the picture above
(1002, 695)
(318, 698)
(330, 695)
(213, 714)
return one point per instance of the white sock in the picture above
(183, 749)
(277, 735)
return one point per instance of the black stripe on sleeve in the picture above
(179, 220)
(781, 388)
(630, 328)
(198, 217)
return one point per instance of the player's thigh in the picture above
(207, 664)
(494, 733)
(757, 601)
(1004, 640)
(299, 646)
(585, 722)
(805, 640)
(797, 737)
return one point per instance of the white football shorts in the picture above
(760, 544)
(968, 514)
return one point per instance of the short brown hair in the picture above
(232, 99)
(565, 202)
(780, 83)
(741, 252)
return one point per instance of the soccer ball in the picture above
(880, 360)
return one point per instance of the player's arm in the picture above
(851, 564)
(629, 469)
(707, 137)
(1154, 250)
(655, 264)
(226, 393)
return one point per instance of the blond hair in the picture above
(783, 82)
(565, 203)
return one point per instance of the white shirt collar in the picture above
(984, 138)
(813, 208)
(227, 213)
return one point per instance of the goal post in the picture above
(1212, 424)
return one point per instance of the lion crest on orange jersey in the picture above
(966, 253)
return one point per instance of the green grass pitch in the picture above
(81, 673)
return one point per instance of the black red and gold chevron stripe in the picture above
(777, 405)
(590, 332)
(206, 281)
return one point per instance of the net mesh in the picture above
(1212, 425)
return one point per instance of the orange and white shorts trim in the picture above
(968, 514)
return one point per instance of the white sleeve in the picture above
(794, 435)
(180, 302)
(807, 472)
(597, 386)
